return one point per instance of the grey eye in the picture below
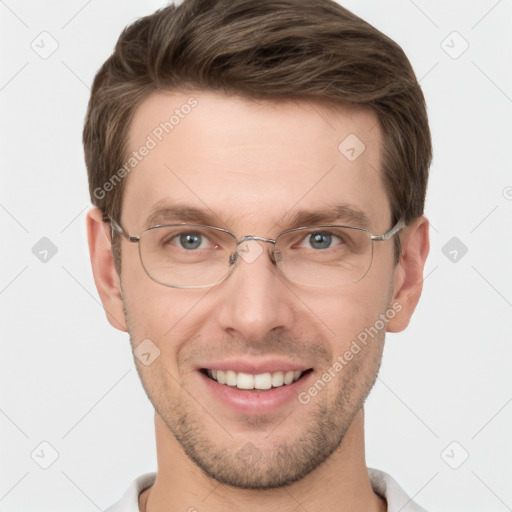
(320, 240)
(190, 240)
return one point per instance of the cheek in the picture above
(169, 317)
(342, 315)
(149, 305)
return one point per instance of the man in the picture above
(258, 171)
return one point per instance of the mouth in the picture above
(254, 387)
(255, 382)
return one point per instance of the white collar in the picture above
(383, 484)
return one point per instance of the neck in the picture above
(341, 483)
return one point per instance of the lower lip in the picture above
(255, 402)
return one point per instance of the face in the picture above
(250, 167)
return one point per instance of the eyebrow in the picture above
(162, 213)
(337, 213)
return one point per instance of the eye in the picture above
(320, 240)
(189, 240)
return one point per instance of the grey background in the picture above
(68, 378)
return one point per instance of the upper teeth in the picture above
(259, 381)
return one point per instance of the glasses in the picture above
(196, 256)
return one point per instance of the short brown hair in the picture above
(264, 49)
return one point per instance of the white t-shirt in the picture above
(382, 484)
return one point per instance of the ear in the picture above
(408, 274)
(105, 276)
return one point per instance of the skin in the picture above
(252, 164)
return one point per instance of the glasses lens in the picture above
(324, 256)
(186, 255)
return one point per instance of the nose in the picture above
(255, 300)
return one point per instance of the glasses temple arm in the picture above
(117, 227)
(393, 231)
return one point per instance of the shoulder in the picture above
(130, 499)
(384, 485)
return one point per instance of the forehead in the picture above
(256, 164)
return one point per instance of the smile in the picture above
(260, 381)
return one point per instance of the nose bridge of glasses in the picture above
(250, 252)
(248, 238)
